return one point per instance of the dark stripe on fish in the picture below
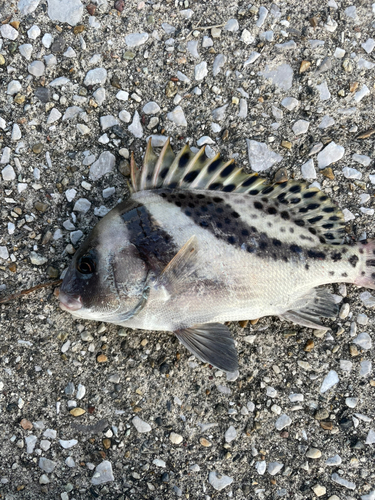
(154, 245)
(211, 212)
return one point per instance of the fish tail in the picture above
(366, 268)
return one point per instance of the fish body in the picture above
(200, 242)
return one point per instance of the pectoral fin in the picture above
(175, 275)
(307, 310)
(211, 343)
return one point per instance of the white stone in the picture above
(59, 82)
(141, 425)
(252, 58)
(168, 28)
(364, 64)
(34, 32)
(122, 95)
(205, 140)
(108, 121)
(262, 14)
(30, 443)
(159, 463)
(7, 31)
(260, 156)
(247, 37)
(36, 68)
(65, 11)
(351, 402)
(327, 121)
(8, 173)
(108, 192)
(71, 112)
(333, 461)
(186, 13)
(82, 205)
(192, 47)
(290, 103)
(366, 368)
(308, 170)
(151, 108)
(330, 154)
(103, 473)
(175, 438)
(47, 40)
(70, 194)
(232, 25)
(70, 53)
(281, 76)
(363, 340)
(200, 71)
(4, 254)
(324, 92)
(343, 482)
(70, 462)
(351, 12)
(351, 173)
(136, 39)
(75, 236)
(68, 443)
(242, 113)
(53, 116)
(296, 397)
(300, 127)
(177, 116)
(362, 159)
(283, 421)
(218, 114)
(50, 61)
(14, 87)
(26, 50)
(219, 62)
(230, 434)
(339, 53)
(369, 45)
(3, 124)
(103, 165)
(261, 467)
(358, 96)
(274, 468)
(182, 77)
(219, 482)
(371, 495)
(16, 133)
(291, 44)
(330, 380)
(157, 141)
(96, 76)
(125, 116)
(83, 129)
(5, 157)
(27, 6)
(136, 127)
(207, 42)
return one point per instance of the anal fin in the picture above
(317, 303)
(211, 343)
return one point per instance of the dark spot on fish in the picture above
(254, 229)
(227, 221)
(182, 196)
(216, 199)
(163, 195)
(269, 224)
(213, 166)
(334, 218)
(183, 161)
(295, 189)
(227, 170)
(245, 232)
(336, 256)
(295, 248)
(363, 273)
(231, 240)
(282, 230)
(219, 210)
(369, 263)
(254, 192)
(250, 181)
(312, 230)
(276, 242)
(361, 250)
(313, 206)
(299, 222)
(328, 210)
(163, 173)
(264, 199)
(295, 200)
(307, 267)
(258, 205)
(250, 249)
(263, 245)
(178, 204)
(328, 226)
(316, 254)
(373, 275)
(354, 259)
(203, 223)
(204, 208)
(281, 198)
(229, 188)
(254, 216)
(303, 210)
(235, 215)
(313, 220)
(323, 198)
(216, 186)
(303, 237)
(272, 210)
(191, 176)
(291, 230)
(329, 236)
(309, 194)
(331, 273)
(284, 215)
(172, 185)
(191, 205)
(344, 275)
(188, 213)
(267, 190)
(322, 239)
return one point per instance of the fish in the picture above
(200, 242)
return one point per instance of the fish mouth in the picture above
(69, 303)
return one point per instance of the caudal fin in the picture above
(366, 277)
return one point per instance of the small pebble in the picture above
(175, 438)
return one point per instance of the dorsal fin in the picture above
(310, 207)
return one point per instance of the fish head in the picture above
(106, 278)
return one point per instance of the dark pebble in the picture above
(158, 421)
(12, 407)
(165, 477)
(119, 131)
(91, 8)
(52, 272)
(346, 423)
(41, 207)
(43, 94)
(164, 368)
(358, 446)
(115, 82)
(119, 5)
(58, 45)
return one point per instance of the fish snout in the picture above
(69, 303)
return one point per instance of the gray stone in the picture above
(252, 58)
(343, 482)
(16, 133)
(330, 380)
(34, 32)
(151, 108)
(218, 114)
(362, 159)
(75, 236)
(300, 127)
(8, 173)
(82, 205)
(14, 87)
(369, 45)
(290, 103)
(308, 170)
(274, 468)
(53, 116)
(330, 154)
(327, 121)
(4, 254)
(125, 116)
(47, 40)
(27, 6)
(108, 121)
(103, 473)
(65, 11)
(365, 368)
(232, 25)
(68, 443)
(192, 47)
(283, 421)
(141, 425)
(30, 442)
(219, 62)
(263, 13)
(363, 340)
(168, 28)
(177, 116)
(136, 128)
(281, 76)
(200, 71)
(26, 50)
(261, 467)
(71, 112)
(324, 93)
(370, 439)
(46, 464)
(333, 461)
(230, 434)
(37, 260)
(59, 82)
(103, 165)
(260, 156)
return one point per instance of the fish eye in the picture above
(86, 265)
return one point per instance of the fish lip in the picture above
(69, 303)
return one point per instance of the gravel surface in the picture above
(89, 410)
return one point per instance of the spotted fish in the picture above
(200, 242)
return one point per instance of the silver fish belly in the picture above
(200, 242)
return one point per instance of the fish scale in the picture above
(201, 242)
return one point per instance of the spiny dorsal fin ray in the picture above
(310, 207)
